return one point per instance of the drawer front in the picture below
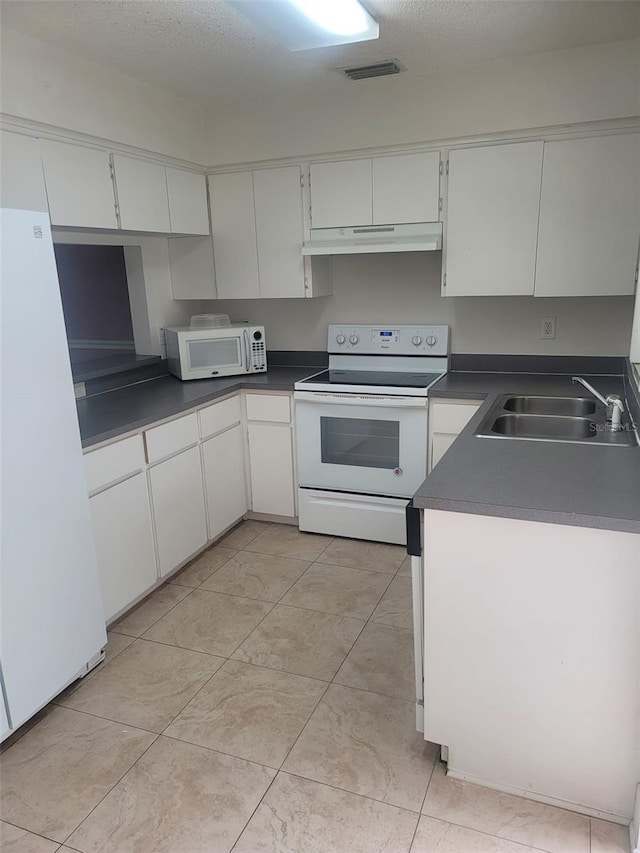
(169, 438)
(114, 462)
(219, 416)
(452, 417)
(268, 407)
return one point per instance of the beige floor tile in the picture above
(146, 686)
(209, 622)
(178, 798)
(257, 576)
(285, 540)
(405, 568)
(339, 590)
(62, 768)
(244, 533)
(150, 610)
(16, 840)
(304, 642)
(506, 816)
(371, 556)
(204, 566)
(250, 712)
(306, 817)
(366, 744)
(116, 643)
(381, 661)
(437, 836)
(395, 607)
(609, 837)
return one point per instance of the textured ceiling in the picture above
(207, 51)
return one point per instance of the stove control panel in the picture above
(394, 339)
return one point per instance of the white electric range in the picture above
(362, 429)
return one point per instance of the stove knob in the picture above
(416, 340)
(353, 339)
(340, 339)
(432, 340)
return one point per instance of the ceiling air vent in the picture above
(378, 69)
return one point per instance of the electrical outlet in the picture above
(548, 328)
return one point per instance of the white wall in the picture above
(560, 87)
(405, 288)
(44, 84)
(150, 292)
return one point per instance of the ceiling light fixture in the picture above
(305, 24)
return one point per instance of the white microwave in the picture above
(223, 351)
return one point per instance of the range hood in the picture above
(413, 237)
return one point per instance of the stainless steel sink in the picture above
(574, 420)
(571, 406)
(544, 426)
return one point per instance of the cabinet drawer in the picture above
(219, 416)
(268, 407)
(452, 417)
(114, 462)
(171, 437)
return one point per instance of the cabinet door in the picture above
(279, 230)
(179, 516)
(192, 268)
(223, 462)
(341, 194)
(188, 210)
(79, 185)
(271, 469)
(234, 235)
(440, 443)
(142, 195)
(492, 220)
(21, 178)
(589, 217)
(406, 188)
(124, 543)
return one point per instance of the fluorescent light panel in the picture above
(305, 24)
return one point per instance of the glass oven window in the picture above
(362, 442)
(216, 352)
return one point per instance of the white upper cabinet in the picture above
(589, 217)
(341, 194)
(406, 188)
(258, 226)
(79, 185)
(187, 193)
(388, 190)
(192, 269)
(142, 194)
(233, 223)
(21, 177)
(279, 231)
(492, 220)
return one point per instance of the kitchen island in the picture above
(530, 597)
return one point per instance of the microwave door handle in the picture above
(245, 335)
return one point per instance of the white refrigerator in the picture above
(52, 626)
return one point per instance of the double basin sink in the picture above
(577, 420)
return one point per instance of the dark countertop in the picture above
(114, 413)
(578, 485)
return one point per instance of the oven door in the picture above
(367, 443)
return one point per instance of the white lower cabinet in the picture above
(271, 469)
(446, 422)
(177, 497)
(223, 465)
(124, 542)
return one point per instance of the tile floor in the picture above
(262, 701)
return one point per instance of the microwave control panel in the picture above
(258, 350)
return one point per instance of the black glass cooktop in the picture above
(387, 378)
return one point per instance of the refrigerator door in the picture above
(414, 549)
(51, 609)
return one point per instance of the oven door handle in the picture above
(376, 400)
(245, 335)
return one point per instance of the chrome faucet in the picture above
(615, 406)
